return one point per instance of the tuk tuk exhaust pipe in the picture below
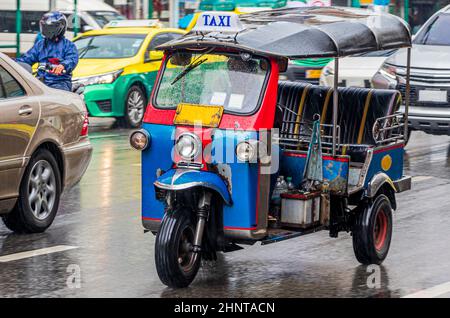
(202, 215)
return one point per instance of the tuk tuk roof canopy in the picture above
(305, 32)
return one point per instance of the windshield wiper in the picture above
(188, 68)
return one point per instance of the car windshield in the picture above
(213, 79)
(435, 33)
(104, 17)
(110, 46)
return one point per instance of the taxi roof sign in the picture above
(147, 23)
(209, 21)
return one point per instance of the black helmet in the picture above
(53, 25)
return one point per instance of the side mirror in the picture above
(153, 56)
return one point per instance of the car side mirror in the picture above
(153, 56)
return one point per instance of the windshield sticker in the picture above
(236, 101)
(218, 98)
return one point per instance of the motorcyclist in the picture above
(55, 50)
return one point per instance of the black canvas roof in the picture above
(306, 32)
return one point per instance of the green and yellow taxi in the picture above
(118, 66)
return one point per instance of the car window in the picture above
(30, 21)
(435, 33)
(71, 22)
(9, 87)
(161, 39)
(104, 17)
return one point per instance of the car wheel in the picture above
(135, 105)
(39, 195)
(372, 231)
(176, 263)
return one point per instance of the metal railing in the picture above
(389, 129)
(294, 141)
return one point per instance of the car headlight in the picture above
(140, 139)
(388, 71)
(188, 146)
(106, 78)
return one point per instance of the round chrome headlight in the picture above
(246, 151)
(139, 139)
(188, 146)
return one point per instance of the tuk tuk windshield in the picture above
(226, 80)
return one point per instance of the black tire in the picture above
(372, 231)
(135, 106)
(176, 266)
(25, 218)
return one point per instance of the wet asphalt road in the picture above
(100, 219)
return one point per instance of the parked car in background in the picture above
(356, 70)
(430, 75)
(306, 70)
(118, 66)
(93, 14)
(44, 147)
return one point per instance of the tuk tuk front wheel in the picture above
(176, 263)
(372, 231)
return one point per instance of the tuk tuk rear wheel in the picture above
(372, 231)
(176, 263)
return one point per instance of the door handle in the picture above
(25, 110)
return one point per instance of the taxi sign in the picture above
(209, 21)
(148, 23)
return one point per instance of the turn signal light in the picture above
(140, 139)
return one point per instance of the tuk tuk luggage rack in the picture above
(389, 129)
(301, 139)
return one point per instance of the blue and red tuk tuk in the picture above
(221, 133)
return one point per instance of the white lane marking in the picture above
(431, 292)
(41, 251)
(421, 178)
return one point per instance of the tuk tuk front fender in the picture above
(377, 182)
(183, 179)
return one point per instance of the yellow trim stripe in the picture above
(300, 109)
(363, 120)
(325, 106)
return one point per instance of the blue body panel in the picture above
(157, 156)
(185, 177)
(241, 179)
(395, 171)
(244, 179)
(335, 172)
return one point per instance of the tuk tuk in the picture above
(233, 156)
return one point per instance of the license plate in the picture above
(433, 96)
(313, 73)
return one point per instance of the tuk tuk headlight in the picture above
(246, 151)
(140, 139)
(188, 146)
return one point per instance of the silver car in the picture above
(430, 75)
(44, 147)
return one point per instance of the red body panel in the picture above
(263, 118)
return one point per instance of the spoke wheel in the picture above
(39, 195)
(41, 189)
(135, 106)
